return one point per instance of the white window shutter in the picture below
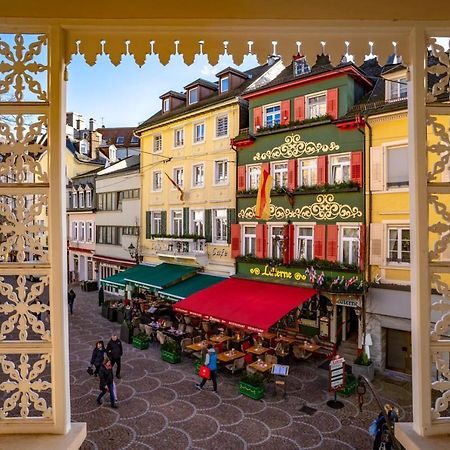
(376, 169)
(376, 244)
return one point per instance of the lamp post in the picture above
(134, 253)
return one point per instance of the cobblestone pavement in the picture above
(160, 408)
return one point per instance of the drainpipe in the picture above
(233, 147)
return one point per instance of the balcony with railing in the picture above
(179, 248)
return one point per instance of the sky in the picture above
(128, 94)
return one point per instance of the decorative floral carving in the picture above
(20, 67)
(18, 224)
(21, 149)
(440, 69)
(24, 386)
(442, 229)
(325, 208)
(22, 313)
(442, 384)
(294, 147)
(441, 148)
(442, 306)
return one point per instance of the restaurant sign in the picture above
(275, 272)
(351, 303)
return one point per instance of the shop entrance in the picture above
(398, 350)
(351, 324)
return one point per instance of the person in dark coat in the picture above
(106, 382)
(98, 355)
(101, 296)
(71, 299)
(115, 352)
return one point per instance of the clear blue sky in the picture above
(127, 94)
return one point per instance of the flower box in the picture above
(140, 344)
(367, 371)
(256, 393)
(170, 357)
(126, 333)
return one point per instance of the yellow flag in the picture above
(263, 199)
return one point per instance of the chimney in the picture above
(91, 124)
(272, 59)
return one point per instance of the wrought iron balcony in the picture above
(179, 247)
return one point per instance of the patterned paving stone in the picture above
(227, 414)
(148, 424)
(200, 427)
(274, 418)
(146, 384)
(114, 438)
(224, 440)
(304, 435)
(177, 411)
(169, 439)
(161, 396)
(323, 421)
(251, 430)
(275, 443)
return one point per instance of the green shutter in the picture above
(163, 222)
(231, 218)
(185, 220)
(148, 224)
(208, 225)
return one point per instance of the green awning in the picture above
(194, 284)
(160, 276)
(118, 279)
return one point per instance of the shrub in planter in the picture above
(126, 332)
(171, 351)
(141, 341)
(363, 366)
(252, 385)
(350, 385)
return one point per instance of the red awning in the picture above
(248, 304)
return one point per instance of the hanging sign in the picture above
(337, 374)
(347, 302)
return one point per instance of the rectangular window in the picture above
(224, 84)
(249, 240)
(316, 105)
(220, 226)
(396, 89)
(74, 199)
(81, 199)
(89, 232)
(193, 95)
(198, 175)
(397, 167)
(134, 140)
(198, 222)
(339, 168)
(157, 143)
(349, 245)
(276, 242)
(308, 172)
(100, 204)
(157, 180)
(177, 223)
(304, 243)
(301, 67)
(155, 225)
(280, 174)
(253, 175)
(74, 231)
(178, 137)
(120, 140)
(120, 196)
(272, 115)
(81, 230)
(88, 199)
(399, 245)
(111, 235)
(166, 104)
(130, 231)
(221, 172)
(199, 132)
(222, 126)
(178, 176)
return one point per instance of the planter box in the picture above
(120, 315)
(105, 310)
(112, 314)
(256, 393)
(367, 371)
(141, 345)
(170, 357)
(126, 334)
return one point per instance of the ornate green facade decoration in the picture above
(324, 209)
(295, 147)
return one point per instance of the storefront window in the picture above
(249, 240)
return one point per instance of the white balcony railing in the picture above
(179, 247)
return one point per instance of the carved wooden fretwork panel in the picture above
(441, 70)
(441, 386)
(25, 392)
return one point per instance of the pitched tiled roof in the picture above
(110, 136)
(202, 82)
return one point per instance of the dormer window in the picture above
(120, 140)
(396, 89)
(166, 104)
(193, 95)
(301, 67)
(224, 84)
(84, 147)
(134, 140)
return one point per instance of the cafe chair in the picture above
(298, 352)
(181, 327)
(196, 339)
(270, 359)
(206, 327)
(160, 336)
(281, 351)
(236, 365)
(184, 342)
(189, 329)
(187, 320)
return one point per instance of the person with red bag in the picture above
(211, 364)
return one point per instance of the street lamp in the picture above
(134, 253)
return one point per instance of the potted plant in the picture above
(252, 385)
(171, 351)
(141, 341)
(363, 366)
(126, 332)
(350, 385)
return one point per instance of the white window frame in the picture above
(74, 199)
(175, 170)
(192, 221)
(265, 114)
(308, 98)
(249, 176)
(297, 236)
(156, 189)
(224, 135)
(387, 147)
(121, 139)
(341, 228)
(331, 165)
(401, 227)
(81, 231)
(88, 197)
(81, 202)
(172, 221)
(222, 79)
(270, 238)
(244, 236)
(195, 138)
(223, 240)
(191, 91)
(154, 221)
(301, 62)
(274, 171)
(218, 182)
(300, 173)
(166, 104)
(75, 231)
(194, 184)
(157, 143)
(400, 83)
(90, 232)
(177, 142)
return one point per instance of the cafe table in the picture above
(198, 346)
(229, 356)
(219, 338)
(309, 347)
(285, 340)
(261, 366)
(257, 350)
(268, 336)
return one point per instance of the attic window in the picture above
(120, 140)
(166, 104)
(193, 96)
(224, 84)
(396, 89)
(301, 67)
(134, 140)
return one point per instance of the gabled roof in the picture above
(202, 82)
(176, 94)
(232, 70)
(110, 135)
(129, 164)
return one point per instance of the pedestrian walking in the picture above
(106, 382)
(211, 363)
(98, 356)
(71, 298)
(114, 351)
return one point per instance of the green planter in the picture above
(254, 392)
(140, 344)
(112, 314)
(126, 333)
(120, 315)
(350, 385)
(170, 357)
(105, 310)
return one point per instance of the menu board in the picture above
(337, 374)
(279, 369)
